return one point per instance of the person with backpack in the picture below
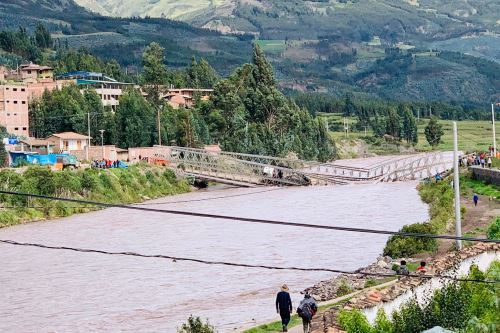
(284, 306)
(306, 310)
(403, 269)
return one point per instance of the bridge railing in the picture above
(231, 168)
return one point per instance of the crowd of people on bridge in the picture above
(482, 159)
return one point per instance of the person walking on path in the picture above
(489, 162)
(475, 198)
(284, 306)
(306, 310)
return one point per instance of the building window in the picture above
(14, 89)
(15, 102)
(15, 114)
(16, 128)
(25, 128)
(8, 101)
(29, 72)
(8, 114)
(7, 88)
(22, 89)
(23, 102)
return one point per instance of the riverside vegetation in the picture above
(465, 307)
(134, 184)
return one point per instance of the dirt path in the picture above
(475, 220)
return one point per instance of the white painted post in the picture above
(456, 187)
(88, 133)
(102, 142)
(494, 132)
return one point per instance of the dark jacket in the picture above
(283, 302)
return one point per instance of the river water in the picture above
(59, 291)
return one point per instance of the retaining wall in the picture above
(490, 176)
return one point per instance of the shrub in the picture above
(354, 322)
(494, 229)
(343, 289)
(195, 325)
(382, 323)
(398, 246)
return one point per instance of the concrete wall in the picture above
(490, 176)
(96, 153)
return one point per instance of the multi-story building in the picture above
(107, 88)
(32, 72)
(184, 97)
(18, 87)
(14, 114)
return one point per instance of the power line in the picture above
(254, 220)
(207, 199)
(38, 117)
(233, 264)
(164, 203)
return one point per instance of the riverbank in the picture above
(439, 197)
(126, 186)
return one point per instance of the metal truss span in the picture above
(258, 170)
(244, 169)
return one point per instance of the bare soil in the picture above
(475, 220)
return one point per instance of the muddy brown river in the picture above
(58, 291)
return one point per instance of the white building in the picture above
(68, 141)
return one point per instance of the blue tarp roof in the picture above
(85, 75)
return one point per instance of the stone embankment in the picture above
(326, 322)
(346, 283)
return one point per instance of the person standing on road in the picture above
(284, 306)
(306, 310)
(475, 198)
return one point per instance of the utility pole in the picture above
(159, 128)
(494, 133)
(346, 127)
(456, 187)
(102, 142)
(88, 133)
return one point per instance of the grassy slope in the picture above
(473, 135)
(111, 186)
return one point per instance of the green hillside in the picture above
(370, 48)
(124, 39)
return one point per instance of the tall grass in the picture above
(135, 184)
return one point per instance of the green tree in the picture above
(410, 133)
(201, 74)
(434, 132)
(62, 110)
(42, 37)
(135, 121)
(153, 62)
(95, 110)
(349, 106)
(3, 151)
(393, 124)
